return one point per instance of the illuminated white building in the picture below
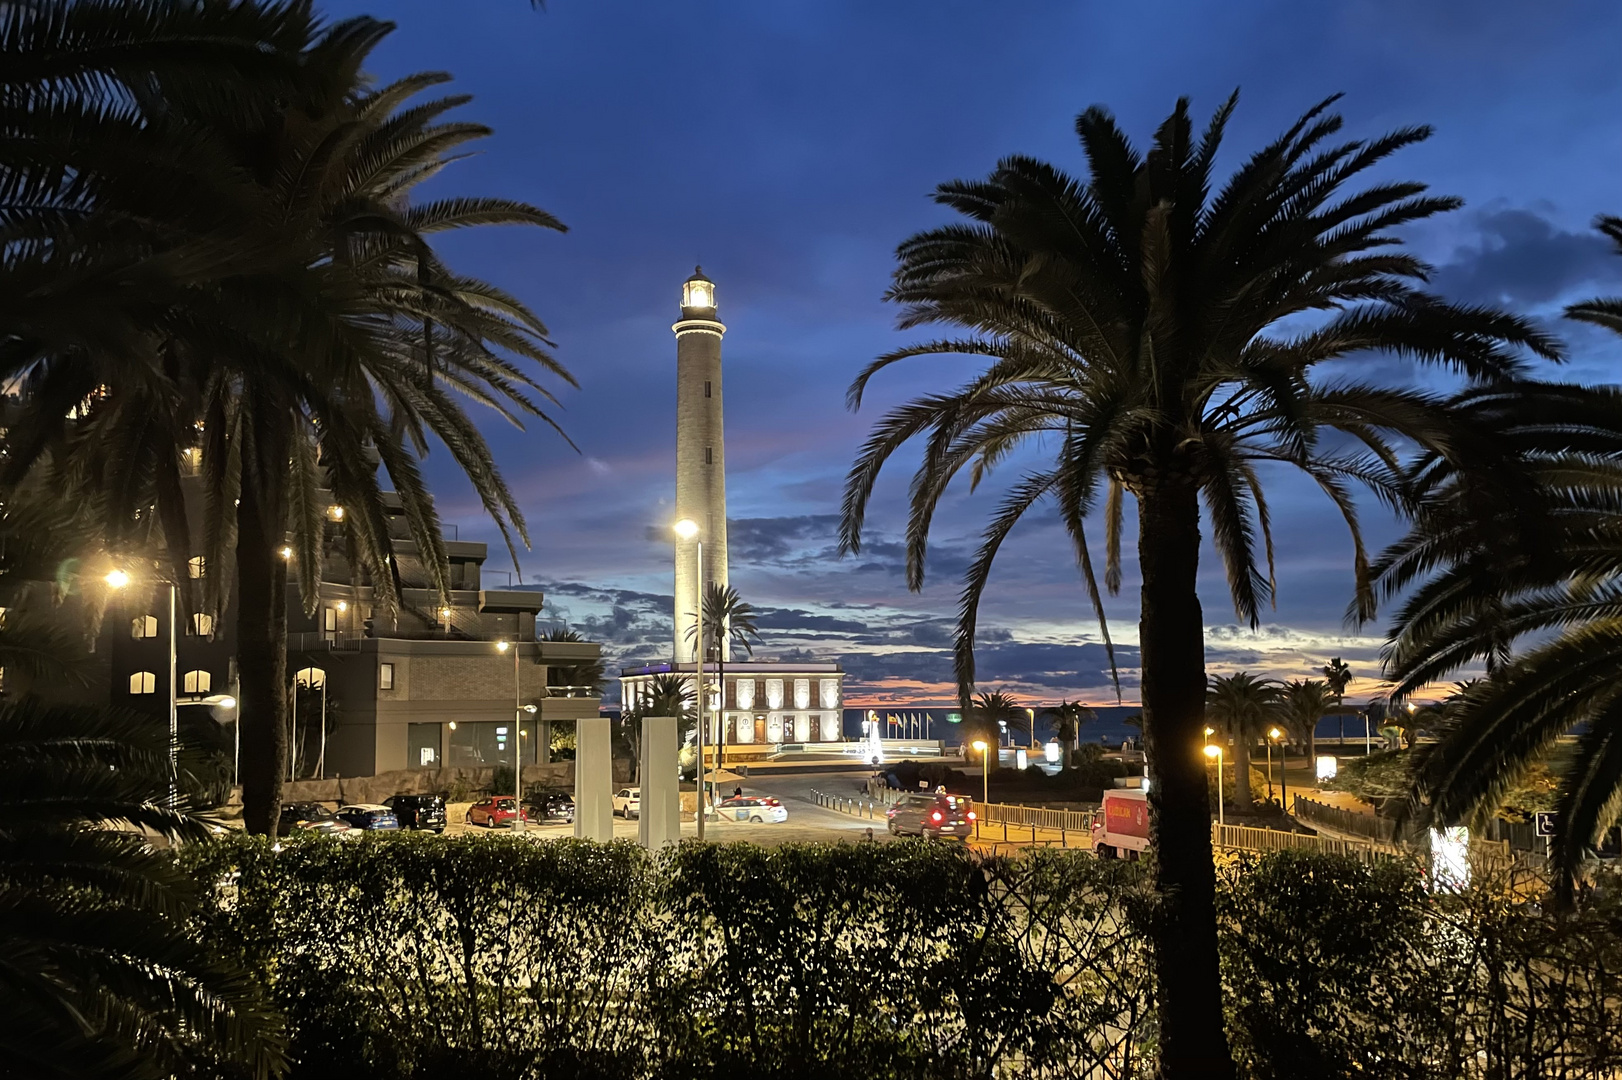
(765, 704)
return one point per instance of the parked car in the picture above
(310, 817)
(369, 816)
(418, 811)
(555, 806)
(756, 808)
(496, 812)
(933, 815)
(628, 802)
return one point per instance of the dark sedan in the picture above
(309, 817)
(554, 806)
(418, 811)
(371, 817)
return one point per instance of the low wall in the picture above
(372, 789)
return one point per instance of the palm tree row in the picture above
(1164, 336)
(213, 260)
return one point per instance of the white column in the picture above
(594, 779)
(661, 796)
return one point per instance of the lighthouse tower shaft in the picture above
(701, 475)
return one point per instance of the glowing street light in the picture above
(117, 579)
(1212, 750)
(985, 784)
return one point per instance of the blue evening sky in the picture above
(789, 146)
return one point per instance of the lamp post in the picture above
(1283, 769)
(518, 738)
(1213, 750)
(1272, 737)
(117, 579)
(985, 786)
(688, 529)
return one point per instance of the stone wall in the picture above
(374, 789)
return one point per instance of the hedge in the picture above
(427, 957)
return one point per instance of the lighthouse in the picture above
(701, 475)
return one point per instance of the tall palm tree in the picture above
(100, 974)
(987, 716)
(729, 624)
(1305, 702)
(1068, 718)
(1338, 674)
(1243, 708)
(1140, 327)
(332, 339)
(1515, 563)
(668, 695)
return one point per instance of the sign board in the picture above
(1544, 822)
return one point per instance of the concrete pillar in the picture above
(594, 779)
(661, 795)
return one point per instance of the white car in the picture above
(628, 802)
(760, 809)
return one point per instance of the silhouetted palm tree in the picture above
(729, 624)
(1243, 708)
(1338, 674)
(1134, 324)
(1068, 718)
(1304, 704)
(668, 695)
(100, 975)
(325, 338)
(986, 718)
(1515, 562)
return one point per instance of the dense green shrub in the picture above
(507, 958)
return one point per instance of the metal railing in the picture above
(1244, 838)
(1378, 829)
(996, 820)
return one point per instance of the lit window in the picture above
(143, 682)
(745, 690)
(143, 626)
(385, 677)
(830, 693)
(774, 693)
(311, 678)
(198, 682)
(195, 566)
(330, 619)
(802, 693)
(202, 625)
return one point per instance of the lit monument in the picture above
(701, 474)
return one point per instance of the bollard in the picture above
(1005, 830)
(1033, 834)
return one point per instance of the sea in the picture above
(1109, 729)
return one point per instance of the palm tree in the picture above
(986, 718)
(333, 343)
(1338, 674)
(1068, 718)
(668, 695)
(1515, 563)
(1243, 708)
(1141, 328)
(100, 974)
(729, 624)
(1305, 703)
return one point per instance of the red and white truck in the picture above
(1121, 829)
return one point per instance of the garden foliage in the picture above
(502, 958)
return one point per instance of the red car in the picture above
(495, 812)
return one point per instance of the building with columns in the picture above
(761, 703)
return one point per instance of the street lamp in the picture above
(1283, 769)
(688, 529)
(1213, 750)
(985, 785)
(1272, 737)
(518, 740)
(117, 579)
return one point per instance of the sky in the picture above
(789, 146)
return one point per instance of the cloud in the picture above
(1522, 260)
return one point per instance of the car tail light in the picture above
(936, 816)
(971, 815)
(773, 802)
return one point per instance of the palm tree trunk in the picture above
(1171, 633)
(1241, 771)
(261, 653)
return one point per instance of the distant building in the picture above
(763, 704)
(425, 689)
